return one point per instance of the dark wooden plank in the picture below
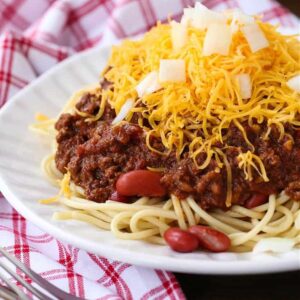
(279, 286)
(292, 5)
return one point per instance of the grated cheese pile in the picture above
(246, 80)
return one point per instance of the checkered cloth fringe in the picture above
(36, 35)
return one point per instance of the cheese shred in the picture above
(195, 115)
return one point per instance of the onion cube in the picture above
(172, 70)
(255, 37)
(245, 85)
(217, 40)
(294, 83)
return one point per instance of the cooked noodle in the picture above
(193, 112)
(148, 218)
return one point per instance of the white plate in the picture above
(23, 183)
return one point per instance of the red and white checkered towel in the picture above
(37, 34)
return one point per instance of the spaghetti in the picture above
(187, 120)
(148, 218)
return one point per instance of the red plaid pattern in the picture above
(78, 272)
(37, 34)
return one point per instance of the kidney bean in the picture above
(115, 196)
(211, 239)
(180, 240)
(140, 183)
(256, 200)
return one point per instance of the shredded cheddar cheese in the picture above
(65, 190)
(194, 114)
(249, 161)
(65, 185)
(41, 117)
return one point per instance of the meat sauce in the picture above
(96, 154)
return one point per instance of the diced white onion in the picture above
(297, 221)
(294, 83)
(179, 35)
(123, 111)
(245, 85)
(274, 244)
(188, 15)
(148, 85)
(217, 40)
(243, 18)
(172, 70)
(234, 27)
(238, 18)
(255, 37)
(203, 17)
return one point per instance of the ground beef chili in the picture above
(96, 154)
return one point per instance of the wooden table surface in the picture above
(279, 286)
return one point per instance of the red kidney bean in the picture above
(115, 196)
(180, 240)
(140, 183)
(256, 200)
(211, 239)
